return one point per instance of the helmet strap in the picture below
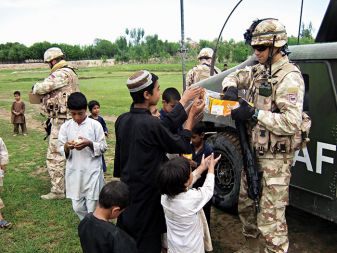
(271, 55)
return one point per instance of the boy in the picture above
(18, 114)
(97, 234)
(81, 140)
(141, 144)
(170, 98)
(199, 148)
(94, 108)
(3, 162)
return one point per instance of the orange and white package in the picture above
(222, 107)
(216, 106)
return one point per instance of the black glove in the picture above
(244, 112)
(231, 94)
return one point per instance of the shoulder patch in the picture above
(292, 90)
(292, 98)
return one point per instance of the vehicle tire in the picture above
(228, 170)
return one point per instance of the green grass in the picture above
(51, 226)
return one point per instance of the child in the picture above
(141, 144)
(81, 140)
(183, 206)
(18, 114)
(3, 162)
(170, 98)
(99, 235)
(199, 148)
(94, 107)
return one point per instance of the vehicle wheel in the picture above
(228, 170)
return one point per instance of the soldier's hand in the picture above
(231, 94)
(244, 112)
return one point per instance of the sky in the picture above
(80, 22)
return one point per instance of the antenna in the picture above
(217, 42)
(299, 25)
(183, 50)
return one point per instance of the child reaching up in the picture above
(183, 205)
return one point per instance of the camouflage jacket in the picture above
(3, 153)
(56, 89)
(279, 100)
(199, 72)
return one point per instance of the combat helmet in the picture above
(52, 53)
(205, 53)
(269, 32)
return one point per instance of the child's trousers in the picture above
(23, 128)
(83, 206)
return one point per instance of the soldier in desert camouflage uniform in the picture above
(55, 90)
(276, 89)
(201, 71)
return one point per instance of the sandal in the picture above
(5, 224)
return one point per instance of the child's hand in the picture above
(69, 145)
(82, 143)
(204, 163)
(212, 163)
(191, 93)
(3, 167)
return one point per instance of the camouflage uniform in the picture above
(56, 89)
(203, 70)
(274, 138)
(3, 162)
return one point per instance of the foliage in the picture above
(136, 47)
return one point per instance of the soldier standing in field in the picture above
(55, 90)
(203, 69)
(276, 88)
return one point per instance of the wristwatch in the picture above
(256, 114)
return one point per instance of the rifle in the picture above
(250, 165)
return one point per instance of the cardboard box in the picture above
(34, 98)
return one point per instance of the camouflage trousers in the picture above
(55, 161)
(2, 205)
(270, 221)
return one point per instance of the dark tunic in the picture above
(105, 130)
(18, 107)
(99, 236)
(142, 142)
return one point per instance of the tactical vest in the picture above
(203, 71)
(262, 94)
(55, 102)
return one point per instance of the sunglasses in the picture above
(260, 48)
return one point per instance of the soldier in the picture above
(201, 71)
(276, 89)
(55, 90)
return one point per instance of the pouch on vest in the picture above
(301, 137)
(280, 143)
(260, 138)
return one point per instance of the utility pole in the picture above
(183, 49)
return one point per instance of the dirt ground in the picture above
(307, 233)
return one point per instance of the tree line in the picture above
(136, 47)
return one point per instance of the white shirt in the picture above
(184, 227)
(84, 175)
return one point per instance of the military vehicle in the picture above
(314, 172)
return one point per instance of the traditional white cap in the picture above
(139, 81)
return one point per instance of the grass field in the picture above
(51, 226)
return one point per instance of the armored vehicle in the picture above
(314, 172)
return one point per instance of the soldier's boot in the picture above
(53, 195)
(252, 245)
